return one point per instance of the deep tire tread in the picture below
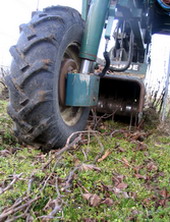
(42, 97)
(47, 18)
(43, 125)
(36, 67)
(29, 72)
(39, 39)
(19, 57)
(16, 117)
(28, 30)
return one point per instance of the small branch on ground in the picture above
(70, 178)
(17, 217)
(12, 210)
(97, 119)
(68, 144)
(16, 177)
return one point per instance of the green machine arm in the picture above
(94, 27)
(137, 21)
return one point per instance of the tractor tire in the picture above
(46, 51)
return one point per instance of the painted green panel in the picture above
(82, 90)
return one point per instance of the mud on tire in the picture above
(47, 49)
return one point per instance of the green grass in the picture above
(131, 183)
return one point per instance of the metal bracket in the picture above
(82, 90)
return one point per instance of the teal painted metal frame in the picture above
(84, 10)
(94, 26)
(82, 90)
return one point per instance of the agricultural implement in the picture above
(54, 82)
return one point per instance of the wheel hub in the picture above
(68, 65)
(70, 115)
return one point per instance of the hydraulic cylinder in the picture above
(93, 29)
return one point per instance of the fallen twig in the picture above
(16, 218)
(68, 144)
(57, 208)
(30, 181)
(105, 155)
(46, 218)
(17, 203)
(57, 188)
(97, 120)
(81, 186)
(14, 210)
(60, 152)
(124, 161)
(117, 131)
(70, 178)
(16, 177)
(75, 141)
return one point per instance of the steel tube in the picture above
(86, 66)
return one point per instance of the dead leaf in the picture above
(120, 149)
(117, 176)
(76, 162)
(132, 195)
(116, 190)
(137, 136)
(5, 153)
(106, 154)
(164, 193)
(139, 176)
(106, 188)
(108, 201)
(119, 185)
(133, 215)
(136, 169)
(125, 161)
(122, 186)
(152, 167)
(125, 195)
(117, 179)
(93, 199)
(146, 201)
(162, 203)
(146, 153)
(87, 196)
(141, 147)
(87, 167)
(162, 198)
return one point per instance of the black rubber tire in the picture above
(45, 41)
